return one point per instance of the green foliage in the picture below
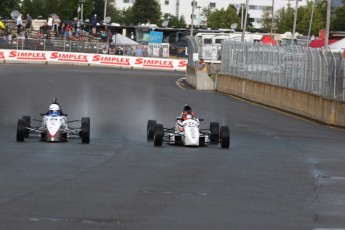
(7, 6)
(223, 18)
(338, 23)
(126, 16)
(284, 19)
(304, 16)
(175, 22)
(267, 19)
(146, 11)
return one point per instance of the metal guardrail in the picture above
(296, 67)
(64, 45)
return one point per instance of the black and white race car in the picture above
(53, 128)
(188, 133)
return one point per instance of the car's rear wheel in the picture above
(151, 125)
(85, 130)
(158, 135)
(214, 129)
(225, 137)
(28, 124)
(21, 130)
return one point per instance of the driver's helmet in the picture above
(54, 109)
(187, 112)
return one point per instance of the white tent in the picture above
(338, 46)
(119, 39)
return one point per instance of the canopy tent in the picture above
(267, 39)
(318, 43)
(338, 45)
(119, 39)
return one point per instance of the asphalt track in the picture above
(281, 172)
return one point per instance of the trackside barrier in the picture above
(53, 57)
(199, 79)
(318, 108)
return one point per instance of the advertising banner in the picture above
(28, 56)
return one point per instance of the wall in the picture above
(312, 106)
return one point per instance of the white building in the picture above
(184, 7)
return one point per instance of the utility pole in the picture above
(328, 19)
(242, 16)
(245, 22)
(294, 24)
(272, 23)
(105, 10)
(311, 21)
(192, 22)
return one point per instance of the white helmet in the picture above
(54, 108)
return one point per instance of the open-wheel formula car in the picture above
(188, 133)
(53, 128)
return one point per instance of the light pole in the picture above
(328, 19)
(192, 22)
(82, 9)
(272, 22)
(105, 10)
(245, 22)
(294, 25)
(311, 21)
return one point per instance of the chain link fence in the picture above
(296, 67)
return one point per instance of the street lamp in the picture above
(82, 9)
(105, 9)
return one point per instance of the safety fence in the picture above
(301, 68)
(98, 47)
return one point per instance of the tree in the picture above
(284, 19)
(304, 16)
(146, 11)
(249, 19)
(338, 23)
(267, 19)
(174, 21)
(7, 6)
(223, 18)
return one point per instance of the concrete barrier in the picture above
(199, 79)
(305, 104)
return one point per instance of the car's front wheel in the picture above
(21, 130)
(151, 125)
(85, 130)
(225, 137)
(158, 135)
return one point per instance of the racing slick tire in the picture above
(158, 135)
(151, 125)
(21, 130)
(85, 130)
(28, 124)
(214, 129)
(225, 137)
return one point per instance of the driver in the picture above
(55, 109)
(187, 113)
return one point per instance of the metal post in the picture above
(311, 21)
(105, 10)
(328, 19)
(245, 22)
(294, 24)
(81, 14)
(192, 22)
(272, 23)
(242, 16)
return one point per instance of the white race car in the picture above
(54, 128)
(188, 133)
